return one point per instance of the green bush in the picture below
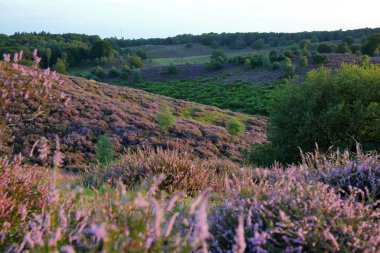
(136, 75)
(105, 152)
(276, 65)
(261, 60)
(217, 60)
(235, 127)
(135, 62)
(273, 56)
(289, 68)
(102, 48)
(319, 59)
(304, 44)
(325, 48)
(288, 54)
(165, 118)
(343, 48)
(98, 72)
(332, 109)
(113, 73)
(172, 69)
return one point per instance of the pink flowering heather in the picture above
(25, 93)
(281, 210)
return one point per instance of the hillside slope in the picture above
(127, 116)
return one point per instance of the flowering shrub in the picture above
(25, 93)
(233, 209)
(344, 170)
(21, 195)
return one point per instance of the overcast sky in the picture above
(163, 18)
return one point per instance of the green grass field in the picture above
(239, 97)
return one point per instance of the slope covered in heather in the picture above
(127, 116)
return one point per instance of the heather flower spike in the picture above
(7, 57)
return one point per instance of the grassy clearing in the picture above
(209, 117)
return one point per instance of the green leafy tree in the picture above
(258, 44)
(349, 40)
(319, 59)
(165, 118)
(60, 66)
(332, 109)
(102, 48)
(135, 62)
(48, 56)
(325, 48)
(235, 127)
(304, 44)
(125, 72)
(136, 75)
(105, 151)
(372, 43)
(217, 60)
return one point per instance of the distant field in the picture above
(163, 55)
(177, 61)
(201, 59)
(173, 51)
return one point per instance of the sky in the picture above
(164, 18)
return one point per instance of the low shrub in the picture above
(235, 127)
(276, 65)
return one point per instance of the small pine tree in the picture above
(165, 118)
(247, 64)
(136, 75)
(303, 61)
(172, 69)
(235, 127)
(60, 66)
(105, 152)
(289, 70)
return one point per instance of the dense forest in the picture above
(242, 40)
(63, 50)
